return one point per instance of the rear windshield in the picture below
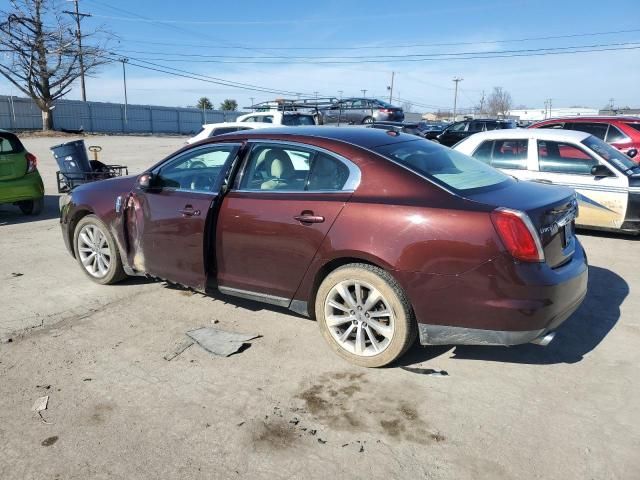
(610, 154)
(9, 143)
(448, 168)
(293, 120)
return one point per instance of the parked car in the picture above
(20, 181)
(212, 129)
(360, 110)
(431, 130)
(607, 182)
(381, 236)
(460, 130)
(621, 132)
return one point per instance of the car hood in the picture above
(115, 185)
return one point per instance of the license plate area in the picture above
(567, 234)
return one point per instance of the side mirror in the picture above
(145, 181)
(632, 153)
(600, 171)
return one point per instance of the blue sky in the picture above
(180, 35)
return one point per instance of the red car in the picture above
(381, 236)
(620, 132)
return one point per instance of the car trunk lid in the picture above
(551, 209)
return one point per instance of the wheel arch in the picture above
(73, 220)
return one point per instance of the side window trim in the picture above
(350, 185)
(584, 151)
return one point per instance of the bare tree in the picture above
(407, 107)
(39, 52)
(499, 101)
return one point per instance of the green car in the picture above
(20, 181)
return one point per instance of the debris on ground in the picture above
(40, 405)
(220, 342)
(16, 274)
(179, 347)
(427, 371)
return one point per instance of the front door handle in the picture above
(188, 211)
(309, 218)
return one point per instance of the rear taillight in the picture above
(518, 234)
(386, 110)
(32, 162)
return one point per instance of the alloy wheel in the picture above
(94, 251)
(359, 318)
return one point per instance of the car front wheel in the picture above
(31, 207)
(364, 315)
(96, 251)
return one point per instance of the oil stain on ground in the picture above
(348, 402)
(47, 442)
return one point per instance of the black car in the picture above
(460, 130)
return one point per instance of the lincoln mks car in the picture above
(380, 236)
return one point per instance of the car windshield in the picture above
(294, 120)
(448, 168)
(610, 154)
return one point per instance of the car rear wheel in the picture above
(32, 207)
(367, 120)
(96, 251)
(365, 315)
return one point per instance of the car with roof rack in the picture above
(360, 111)
(382, 237)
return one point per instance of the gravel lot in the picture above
(287, 407)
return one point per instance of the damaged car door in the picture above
(170, 210)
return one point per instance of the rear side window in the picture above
(552, 125)
(598, 130)
(635, 126)
(448, 168)
(292, 120)
(9, 143)
(223, 130)
(510, 154)
(614, 135)
(558, 157)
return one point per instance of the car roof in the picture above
(603, 118)
(535, 133)
(235, 124)
(356, 135)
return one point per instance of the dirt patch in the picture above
(349, 402)
(47, 442)
(274, 433)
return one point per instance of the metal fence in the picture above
(23, 114)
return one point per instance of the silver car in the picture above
(361, 110)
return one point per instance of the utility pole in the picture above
(393, 74)
(455, 96)
(482, 103)
(549, 103)
(364, 92)
(611, 103)
(340, 92)
(124, 81)
(252, 99)
(78, 16)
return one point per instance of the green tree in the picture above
(229, 105)
(204, 104)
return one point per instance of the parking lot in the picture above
(287, 407)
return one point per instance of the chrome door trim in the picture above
(255, 296)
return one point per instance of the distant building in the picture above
(621, 111)
(536, 114)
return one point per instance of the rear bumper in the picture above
(28, 187)
(498, 303)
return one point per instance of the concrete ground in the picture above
(287, 407)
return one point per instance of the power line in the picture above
(414, 45)
(422, 58)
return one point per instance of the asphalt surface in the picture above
(286, 407)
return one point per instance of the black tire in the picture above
(367, 120)
(115, 272)
(32, 207)
(405, 329)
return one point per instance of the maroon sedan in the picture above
(381, 236)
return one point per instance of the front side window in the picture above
(249, 119)
(610, 154)
(196, 171)
(477, 127)
(559, 157)
(291, 168)
(510, 154)
(553, 125)
(635, 126)
(614, 135)
(448, 168)
(458, 127)
(598, 130)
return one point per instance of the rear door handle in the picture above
(188, 211)
(308, 218)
